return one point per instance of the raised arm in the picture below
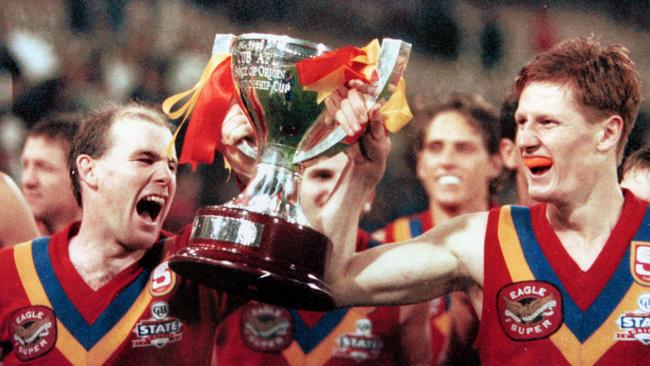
(445, 259)
(17, 223)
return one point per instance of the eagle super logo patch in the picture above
(640, 262)
(266, 328)
(529, 310)
(33, 332)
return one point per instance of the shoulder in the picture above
(5, 182)
(7, 255)
(9, 190)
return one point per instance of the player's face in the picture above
(454, 165)
(637, 180)
(556, 142)
(45, 180)
(319, 181)
(136, 182)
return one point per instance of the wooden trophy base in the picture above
(257, 256)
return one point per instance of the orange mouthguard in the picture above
(537, 162)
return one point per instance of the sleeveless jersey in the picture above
(262, 334)
(146, 315)
(539, 307)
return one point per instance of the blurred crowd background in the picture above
(76, 55)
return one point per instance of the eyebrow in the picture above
(152, 155)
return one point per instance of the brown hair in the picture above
(639, 159)
(604, 79)
(60, 128)
(93, 138)
(474, 108)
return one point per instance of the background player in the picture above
(45, 177)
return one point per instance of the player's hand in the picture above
(235, 130)
(348, 105)
(370, 153)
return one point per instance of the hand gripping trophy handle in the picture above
(393, 58)
(260, 244)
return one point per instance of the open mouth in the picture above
(150, 206)
(538, 165)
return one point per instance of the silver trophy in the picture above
(260, 244)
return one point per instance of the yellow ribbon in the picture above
(370, 58)
(185, 110)
(396, 111)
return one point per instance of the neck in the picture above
(99, 257)
(584, 224)
(591, 214)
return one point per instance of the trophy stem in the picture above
(275, 187)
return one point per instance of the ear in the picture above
(86, 168)
(496, 165)
(610, 133)
(509, 153)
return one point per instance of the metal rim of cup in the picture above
(319, 46)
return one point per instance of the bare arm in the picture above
(445, 259)
(17, 223)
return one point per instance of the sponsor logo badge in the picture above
(362, 345)
(163, 280)
(635, 325)
(640, 262)
(33, 332)
(266, 328)
(159, 330)
(529, 310)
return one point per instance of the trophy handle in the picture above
(393, 57)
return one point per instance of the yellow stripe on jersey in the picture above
(519, 270)
(66, 343)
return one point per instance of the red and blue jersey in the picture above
(539, 306)
(408, 227)
(263, 334)
(146, 315)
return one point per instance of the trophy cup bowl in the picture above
(260, 244)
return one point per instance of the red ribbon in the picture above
(203, 135)
(312, 70)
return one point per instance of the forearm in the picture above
(339, 220)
